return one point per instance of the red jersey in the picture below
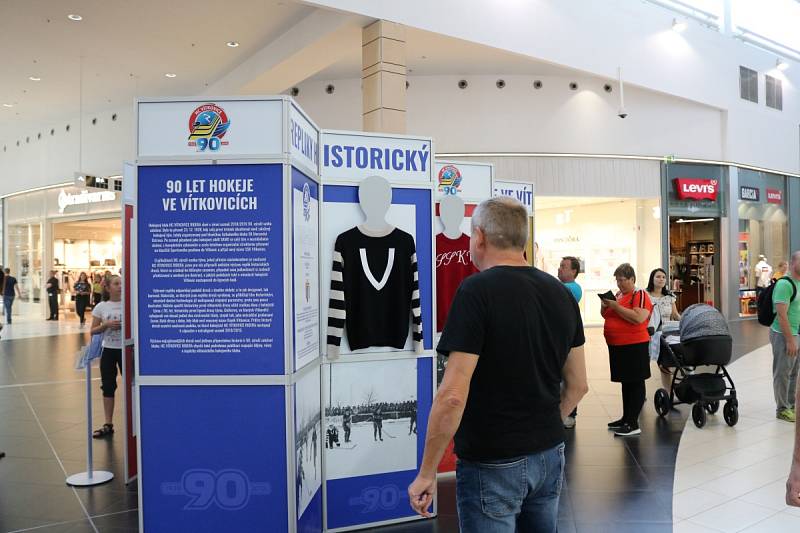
(453, 264)
(620, 332)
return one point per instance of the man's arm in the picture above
(448, 408)
(783, 321)
(576, 384)
(793, 483)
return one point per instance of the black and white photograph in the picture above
(370, 417)
(308, 439)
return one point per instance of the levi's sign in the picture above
(697, 189)
(774, 196)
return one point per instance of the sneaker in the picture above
(569, 422)
(616, 424)
(628, 430)
(787, 415)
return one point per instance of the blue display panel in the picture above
(210, 265)
(213, 458)
(354, 501)
(421, 200)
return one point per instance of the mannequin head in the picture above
(375, 198)
(451, 213)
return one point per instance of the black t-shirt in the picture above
(522, 323)
(8, 285)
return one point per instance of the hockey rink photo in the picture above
(370, 417)
(308, 439)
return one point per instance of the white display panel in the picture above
(470, 181)
(165, 128)
(308, 439)
(306, 276)
(347, 156)
(373, 447)
(340, 217)
(303, 138)
(523, 192)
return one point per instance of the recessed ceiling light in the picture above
(170, 75)
(233, 44)
(780, 64)
(679, 25)
(76, 18)
(34, 78)
(8, 105)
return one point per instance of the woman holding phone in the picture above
(625, 330)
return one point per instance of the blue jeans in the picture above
(510, 495)
(7, 302)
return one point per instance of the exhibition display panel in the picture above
(378, 301)
(225, 269)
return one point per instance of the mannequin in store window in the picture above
(781, 271)
(763, 272)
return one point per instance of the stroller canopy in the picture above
(702, 320)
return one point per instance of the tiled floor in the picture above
(733, 479)
(612, 484)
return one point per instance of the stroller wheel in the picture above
(662, 402)
(731, 412)
(712, 407)
(699, 415)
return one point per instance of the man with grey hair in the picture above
(513, 334)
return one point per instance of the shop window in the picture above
(774, 93)
(748, 84)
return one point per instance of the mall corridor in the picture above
(612, 485)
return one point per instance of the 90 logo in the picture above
(385, 498)
(229, 490)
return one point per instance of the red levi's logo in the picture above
(697, 189)
(774, 196)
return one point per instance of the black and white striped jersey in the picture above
(374, 291)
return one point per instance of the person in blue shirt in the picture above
(567, 272)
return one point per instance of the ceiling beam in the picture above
(318, 41)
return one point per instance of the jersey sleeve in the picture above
(416, 308)
(337, 312)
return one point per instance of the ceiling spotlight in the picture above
(76, 18)
(780, 64)
(170, 75)
(679, 25)
(34, 78)
(8, 105)
(233, 44)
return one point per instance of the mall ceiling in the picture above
(52, 65)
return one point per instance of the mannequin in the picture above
(763, 272)
(375, 198)
(453, 258)
(451, 213)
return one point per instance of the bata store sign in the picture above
(697, 189)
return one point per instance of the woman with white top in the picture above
(107, 320)
(665, 301)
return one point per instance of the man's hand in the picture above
(793, 486)
(420, 494)
(791, 347)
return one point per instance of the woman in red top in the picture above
(626, 334)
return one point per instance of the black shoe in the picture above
(628, 430)
(51, 318)
(616, 424)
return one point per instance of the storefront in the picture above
(763, 236)
(65, 229)
(696, 206)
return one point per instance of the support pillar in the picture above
(383, 77)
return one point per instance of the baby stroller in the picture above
(704, 340)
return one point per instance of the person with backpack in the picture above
(783, 336)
